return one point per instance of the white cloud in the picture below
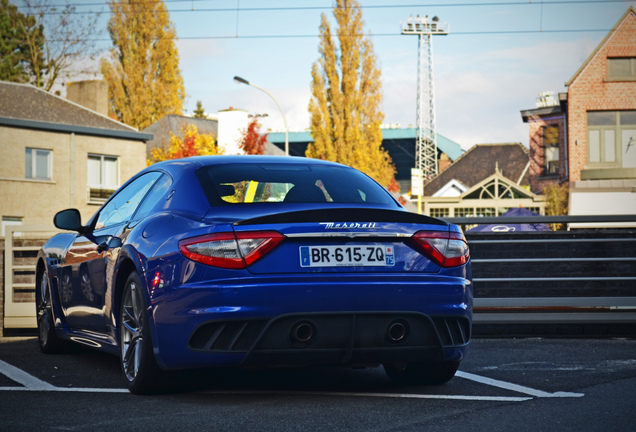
(479, 95)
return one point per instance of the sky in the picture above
(497, 58)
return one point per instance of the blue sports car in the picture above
(257, 261)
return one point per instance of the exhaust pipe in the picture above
(397, 331)
(302, 332)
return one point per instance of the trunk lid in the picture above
(343, 240)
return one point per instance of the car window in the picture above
(297, 183)
(158, 191)
(121, 207)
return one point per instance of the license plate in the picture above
(347, 256)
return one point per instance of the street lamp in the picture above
(246, 82)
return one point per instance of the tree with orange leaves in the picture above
(191, 143)
(253, 143)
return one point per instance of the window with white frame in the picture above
(38, 164)
(103, 177)
(611, 139)
(439, 212)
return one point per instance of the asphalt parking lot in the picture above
(521, 384)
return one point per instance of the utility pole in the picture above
(426, 138)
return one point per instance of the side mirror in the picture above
(69, 219)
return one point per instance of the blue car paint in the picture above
(190, 294)
(182, 310)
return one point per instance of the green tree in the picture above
(142, 73)
(199, 112)
(346, 98)
(16, 30)
(68, 40)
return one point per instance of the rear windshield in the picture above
(289, 183)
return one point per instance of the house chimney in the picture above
(443, 162)
(91, 94)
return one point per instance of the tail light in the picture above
(230, 250)
(448, 249)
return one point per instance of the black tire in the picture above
(48, 340)
(422, 373)
(140, 369)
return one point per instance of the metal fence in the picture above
(555, 277)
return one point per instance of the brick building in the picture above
(602, 107)
(588, 137)
(548, 140)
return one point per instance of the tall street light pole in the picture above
(246, 82)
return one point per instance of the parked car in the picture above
(257, 261)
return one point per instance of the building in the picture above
(398, 142)
(596, 125)
(488, 180)
(227, 128)
(601, 126)
(58, 154)
(548, 138)
(173, 124)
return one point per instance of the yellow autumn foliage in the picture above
(346, 98)
(191, 143)
(142, 70)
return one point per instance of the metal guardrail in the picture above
(523, 272)
(474, 220)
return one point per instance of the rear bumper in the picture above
(345, 338)
(323, 320)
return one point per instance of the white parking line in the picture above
(514, 387)
(67, 389)
(21, 377)
(375, 395)
(31, 383)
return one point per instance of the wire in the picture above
(301, 8)
(300, 36)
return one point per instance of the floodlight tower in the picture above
(426, 140)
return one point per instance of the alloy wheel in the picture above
(44, 310)
(131, 331)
